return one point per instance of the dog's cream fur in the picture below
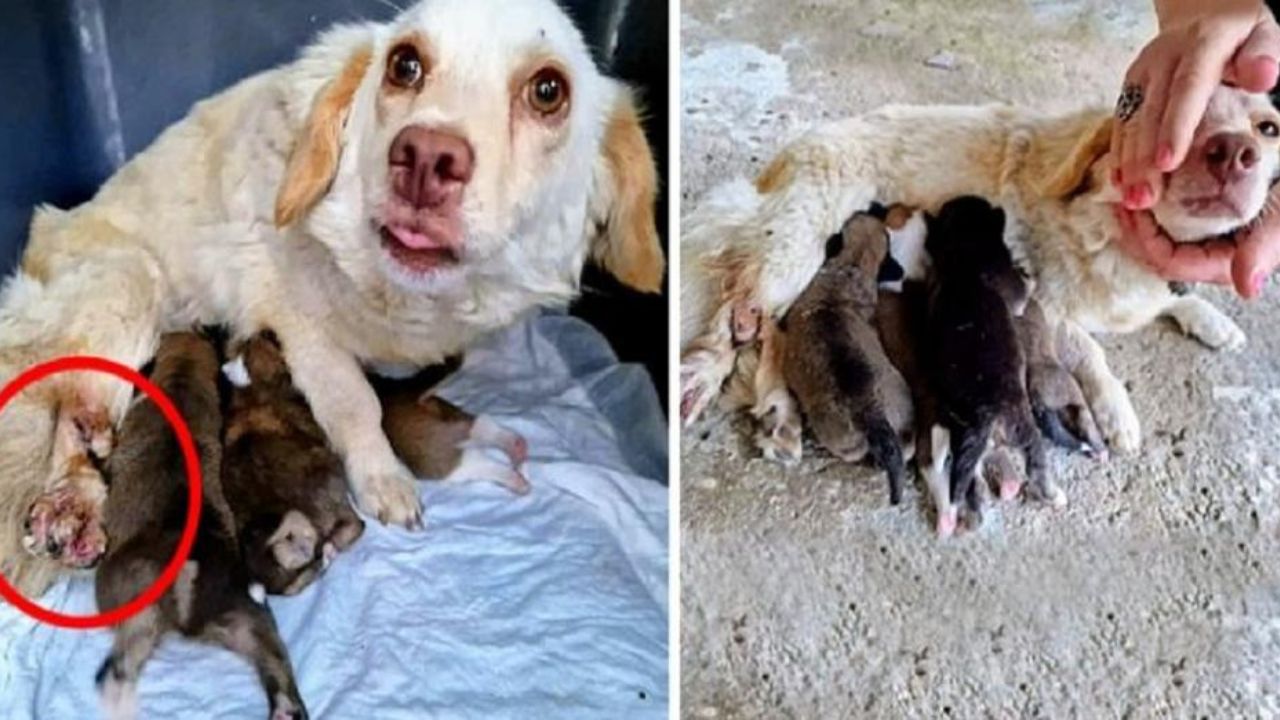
(261, 208)
(760, 247)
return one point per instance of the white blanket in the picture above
(552, 605)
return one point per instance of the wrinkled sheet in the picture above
(552, 605)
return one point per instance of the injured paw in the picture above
(66, 526)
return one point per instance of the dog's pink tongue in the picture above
(413, 239)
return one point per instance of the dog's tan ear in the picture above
(314, 160)
(628, 246)
(1069, 153)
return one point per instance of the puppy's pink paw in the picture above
(947, 522)
(1010, 488)
(517, 448)
(516, 483)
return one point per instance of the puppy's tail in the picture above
(1052, 427)
(884, 446)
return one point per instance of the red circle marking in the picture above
(192, 460)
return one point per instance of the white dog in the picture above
(748, 253)
(398, 191)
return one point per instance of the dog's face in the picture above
(1227, 176)
(475, 138)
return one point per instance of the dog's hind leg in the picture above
(485, 431)
(705, 365)
(250, 631)
(1112, 409)
(117, 679)
(933, 449)
(780, 432)
(884, 446)
(475, 465)
(1026, 436)
(968, 446)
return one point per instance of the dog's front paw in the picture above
(66, 526)
(1117, 420)
(391, 495)
(1204, 322)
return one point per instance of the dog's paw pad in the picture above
(392, 497)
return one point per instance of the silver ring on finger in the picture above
(1129, 102)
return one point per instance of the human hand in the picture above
(1200, 45)
(1244, 263)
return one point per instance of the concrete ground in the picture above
(1155, 594)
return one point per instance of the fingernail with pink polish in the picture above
(1258, 282)
(1135, 196)
(1164, 158)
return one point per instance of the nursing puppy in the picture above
(977, 365)
(399, 190)
(902, 310)
(1057, 402)
(284, 485)
(849, 393)
(760, 246)
(437, 440)
(144, 518)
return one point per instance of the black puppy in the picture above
(978, 366)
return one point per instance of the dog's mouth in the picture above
(1217, 205)
(423, 247)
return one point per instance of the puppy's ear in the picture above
(1068, 153)
(625, 193)
(314, 160)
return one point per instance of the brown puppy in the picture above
(285, 486)
(851, 395)
(439, 441)
(977, 364)
(144, 518)
(1057, 400)
(900, 321)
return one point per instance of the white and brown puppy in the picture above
(144, 518)
(398, 191)
(440, 441)
(850, 394)
(761, 247)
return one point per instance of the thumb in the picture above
(1257, 256)
(1254, 66)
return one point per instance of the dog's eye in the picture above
(404, 67)
(1269, 128)
(548, 91)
